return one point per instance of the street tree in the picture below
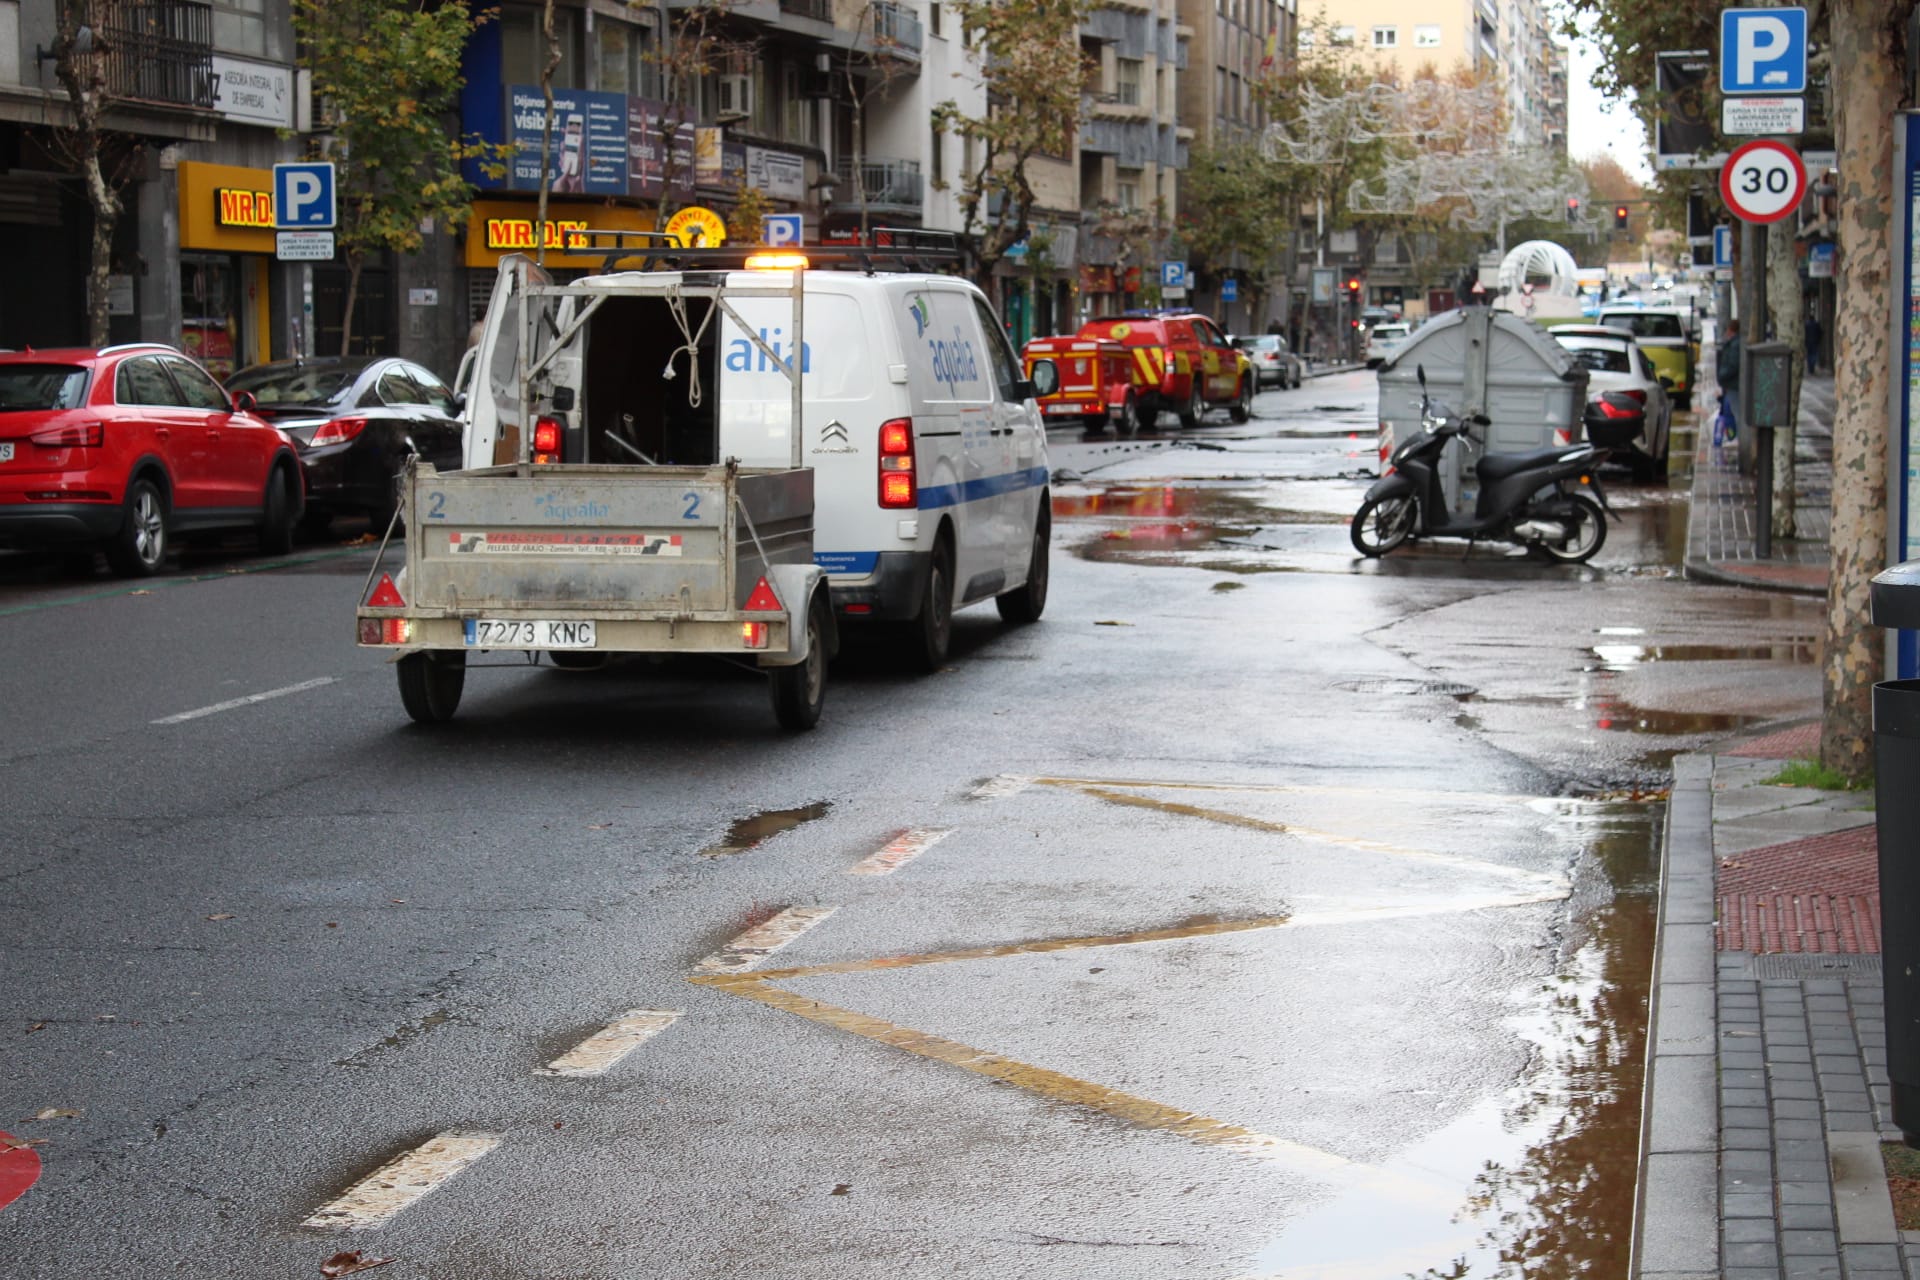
(1034, 75)
(1235, 199)
(101, 156)
(387, 75)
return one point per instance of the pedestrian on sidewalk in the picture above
(1813, 342)
(1726, 371)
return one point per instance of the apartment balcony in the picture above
(159, 52)
(891, 186)
(897, 31)
(817, 10)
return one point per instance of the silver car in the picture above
(1273, 359)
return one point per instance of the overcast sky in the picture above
(1601, 126)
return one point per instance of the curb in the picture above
(1702, 570)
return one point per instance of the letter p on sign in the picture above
(1763, 51)
(303, 196)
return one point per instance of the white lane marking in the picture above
(899, 851)
(600, 1052)
(247, 701)
(761, 941)
(1004, 784)
(399, 1182)
(1435, 907)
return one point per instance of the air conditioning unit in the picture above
(736, 96)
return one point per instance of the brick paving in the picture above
(1820, 894)
(1802, 742)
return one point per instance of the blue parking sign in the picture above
(1230, 290)
(1173, 275)
(782, 229)
(303, 198)
(1763, 51)
(1723, 248)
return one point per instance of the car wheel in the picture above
(1242, 408)
(931, 630)
(1196, 406)
(1025, 603)
(279, 514)
(800, 691)
(140, 547)
(431, 682)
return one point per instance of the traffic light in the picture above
(1353, 287)
(1573, 209)
(1619, 217)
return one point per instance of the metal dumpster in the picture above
(1479, 360)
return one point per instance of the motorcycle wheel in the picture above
(1381, 524)
(1588, 536)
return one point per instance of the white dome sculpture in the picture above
(1540, 258)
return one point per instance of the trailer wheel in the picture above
(430, 684)
(800, 691)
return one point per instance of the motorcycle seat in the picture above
(1497, 466)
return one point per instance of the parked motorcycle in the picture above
(1533, 500)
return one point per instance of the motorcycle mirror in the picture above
(1420, 371)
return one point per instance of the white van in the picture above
(928, 453)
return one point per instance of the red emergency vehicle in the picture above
(1097, 379)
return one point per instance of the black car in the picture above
(354, 421)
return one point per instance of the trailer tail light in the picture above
(337, 431)
(546, 440)
(753, 635)
(71, 435)
(897, 485)
(385, 630)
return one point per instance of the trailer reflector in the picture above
(386, 595)
(763, 600)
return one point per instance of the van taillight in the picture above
(72, 435)
(897, 487)
(546, 440)
(338, 431)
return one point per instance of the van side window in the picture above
(999, 353)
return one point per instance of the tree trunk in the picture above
(1789, 326)
(1868, 39)
(546, 135)
(106, 211)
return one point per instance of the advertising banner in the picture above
(589, 148)
(650, 162)
(780, 174)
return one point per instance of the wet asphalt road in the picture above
(1266, 912)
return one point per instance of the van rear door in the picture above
(494, 412)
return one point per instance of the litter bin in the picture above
(1896, 762)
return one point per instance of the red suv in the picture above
(122, 447)
(1183, 364)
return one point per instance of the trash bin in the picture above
(1896, 764)
(1479, 360)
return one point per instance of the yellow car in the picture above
(1664, 333)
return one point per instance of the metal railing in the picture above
(897, 29)
(159, 51)
(894, 185)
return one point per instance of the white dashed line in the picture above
(763, 940)
(899, 851)
(399, 1182)
(1004, 784)
(247, 701)
(600, 1052)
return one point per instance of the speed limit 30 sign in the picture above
(1763, 181)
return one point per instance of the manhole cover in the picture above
(1408, 688)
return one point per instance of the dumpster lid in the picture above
(1896, 597)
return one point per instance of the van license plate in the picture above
(6, 452)
(521, 633)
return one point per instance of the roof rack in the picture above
(893, 249)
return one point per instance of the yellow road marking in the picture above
(1306, 833)
(1285, 788)
(1038, 946)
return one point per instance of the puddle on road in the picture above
(1617, 716)
(1541, 1180)
(753, 831)
(1625, 657)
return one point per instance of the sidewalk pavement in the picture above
(1721, 518)
(1766, 1095)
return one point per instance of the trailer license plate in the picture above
(522, 633)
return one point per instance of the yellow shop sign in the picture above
(237, 207)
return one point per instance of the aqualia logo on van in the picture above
(744, 356)
(918, 310)
(954, 361)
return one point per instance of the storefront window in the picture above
(210, 310)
